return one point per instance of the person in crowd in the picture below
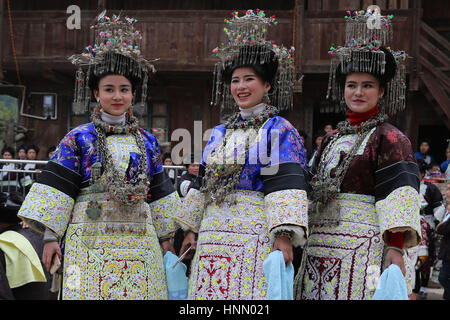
(445, 163)
(318, 137)
(28, 179)
(303, 135)
(188, 178)
(167, 161)
(22, 273)
(50, 152)
(328, 127)
(361, 219)
(424, 152)
(443, 228)
(9, 181)
(22, 152)
(424, 253)
(104, 193)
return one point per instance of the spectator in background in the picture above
(28, 179)
(22, 274)
(22, 152)
(444, 165)
(424, 152)
(167, 161)
(187, 179)
(184, 185)
(424, 259)
(303, 136)
(328, 128)
(430, 196)
(9, 181)
(317, 141)
(434, 170)
(50, 152)
(443, 228)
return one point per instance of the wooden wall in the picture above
(182, 34)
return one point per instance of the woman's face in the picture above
(31, 154)
(114, 94)
(194, 168)
(168, 162)
(362, 92)
(424, 147)
(22, 154)
(7, 155)
(247, 87)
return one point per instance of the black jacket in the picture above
(433, 196)
(444, 229)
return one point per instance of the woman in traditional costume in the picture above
(366, 180)
(250, 198)
(104, 190)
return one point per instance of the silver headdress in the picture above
(246, 46)
(366, 50)
(117, 50)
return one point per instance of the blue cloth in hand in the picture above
(280, 279)
(392, 285)
(177, 281)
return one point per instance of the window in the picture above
(159, 121)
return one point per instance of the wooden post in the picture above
(1, 33)
(415, 68)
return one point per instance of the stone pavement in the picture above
(435, 291)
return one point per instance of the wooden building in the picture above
(36, 42)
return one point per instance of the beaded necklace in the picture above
(221, 176)
(325, 188)
(122, 190)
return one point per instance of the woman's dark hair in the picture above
(51, 149)
(8, 149)
(423, 166)
(266, 71)
(165, 156)
(383, 79)
(21, 147)
(110, 66)
(303, 134)
(32, 146)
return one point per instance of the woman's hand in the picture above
(167, 246)
(50, 249)
(189, 241)
(283, 244)
(395, 257)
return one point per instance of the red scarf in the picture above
(356, 118)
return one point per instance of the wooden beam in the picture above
(436, 36)
(299, 35)
(444, 80)
(435, 52)
(1, 33)
(438, 94)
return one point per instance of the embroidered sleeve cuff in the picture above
(298, 236)
(46, 207)
(288, 209)
(191, 214)
(399, 212)
(163, 212)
